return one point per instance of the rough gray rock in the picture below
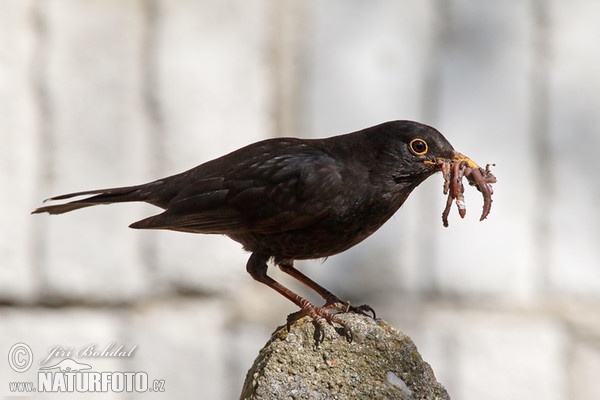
(380, 363)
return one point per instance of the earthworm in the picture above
(453, 173)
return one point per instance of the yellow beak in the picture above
(460, 157)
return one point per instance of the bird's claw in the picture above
(346, 332)
(333, 303)
(364, 309)
(320, 315)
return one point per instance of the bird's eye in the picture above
(418, 146)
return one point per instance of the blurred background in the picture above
(101, 93)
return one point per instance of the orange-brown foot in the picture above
(320, 315)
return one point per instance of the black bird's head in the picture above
(409, 152)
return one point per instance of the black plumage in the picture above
(288, 199)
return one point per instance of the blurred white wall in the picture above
(101, 93)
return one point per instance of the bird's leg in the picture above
(257, 268)
(331, 300)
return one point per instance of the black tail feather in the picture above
(102, 196)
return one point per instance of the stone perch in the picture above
(380, 363)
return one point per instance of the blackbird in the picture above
(287, 199)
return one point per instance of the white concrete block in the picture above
(367, 63)
(184, 343)
(212, 78)
(213, 92)
(485, 113)
(574, 216)
(18, 162)
(92, 77)
(495, 355)
(583, 370)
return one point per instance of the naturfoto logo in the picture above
(60, 372)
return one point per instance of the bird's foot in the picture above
(346, 307)
(333, 303)
(320, 315)
(328, 313)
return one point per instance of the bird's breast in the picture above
(331, 235)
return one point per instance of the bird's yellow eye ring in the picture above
(418, 147)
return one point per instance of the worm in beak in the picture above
(454, 170)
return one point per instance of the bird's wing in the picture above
(266, 193)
